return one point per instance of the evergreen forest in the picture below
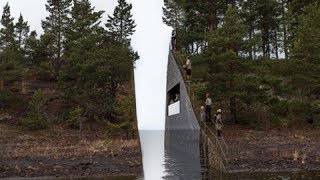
(259, 59)
(78, 71)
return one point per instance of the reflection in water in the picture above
(182, 154)
(152, 145)
(171, 155)
(177, 154)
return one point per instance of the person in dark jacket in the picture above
(208, 107)
(218, 122)
(174, 40)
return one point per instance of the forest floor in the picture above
(64, 153)
(272, 150)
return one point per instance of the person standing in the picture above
(177, 98)
(218, 123)
(202, 114)
(188, 68)
(174, 40)
(208, 108)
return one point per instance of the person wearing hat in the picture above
(202, 114)
(188, 69)
(218, 122)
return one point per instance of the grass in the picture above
(17, 143)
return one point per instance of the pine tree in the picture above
(37, 51)
(172, 14)
(191, 33)
(268, 13)
(22, 30)
(284, 27)
(250, 16)
(94, 71)
(55, 26)
(84, 21)
(32, 44)
(295, 9)
(121, 25)
(8, 48)
(225, 46)
(7, 31)
(307, 39)
(83, 33)
(306, 53)
(96, 63)
(37, 117)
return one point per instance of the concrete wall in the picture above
(186, 120)
(182, 135)
(183, 140)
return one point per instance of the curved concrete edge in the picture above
(186, 119)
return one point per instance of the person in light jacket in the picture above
(202, 114)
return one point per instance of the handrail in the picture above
(195, 105)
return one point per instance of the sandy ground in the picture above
(63, 153)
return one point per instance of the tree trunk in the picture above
(310, 113)
(176, 39)
(285, 33)
(132, 79)
(213, 20)
(276, 45)
(266, 42)
(1, 88)
(254, 47)
(114, 86)
(192, 48)
(233, 110)
(251, 48)
(232, 98)
(1, 83)
(24, 82)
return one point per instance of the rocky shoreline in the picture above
(62, 153)
(272, 150)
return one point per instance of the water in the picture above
(182, 155)
(177, 155)
(171, 155)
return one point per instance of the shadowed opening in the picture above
(174, 100)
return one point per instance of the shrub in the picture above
(6, 98)
(316, 113)
(37, 118)
(125, 111)
(73, 118)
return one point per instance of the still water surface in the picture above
(177, 155)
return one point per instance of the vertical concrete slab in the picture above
(182, 136)
(186, 120)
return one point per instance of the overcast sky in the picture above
(34, 10)
(151, 40)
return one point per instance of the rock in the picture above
(5, 117)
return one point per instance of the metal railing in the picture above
(196, 105)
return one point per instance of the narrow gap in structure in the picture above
(174, 100)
